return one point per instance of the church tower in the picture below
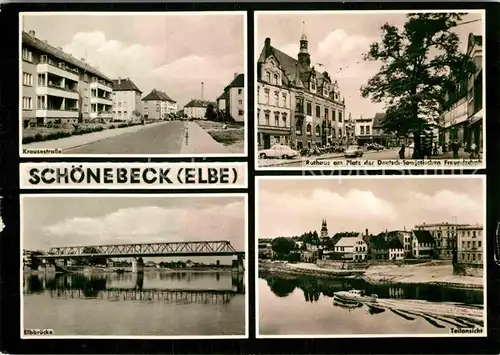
(324, 229)
(303, 56)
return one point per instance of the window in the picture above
(308, 129)
(333, 115)
(276, 98)
(474, 234)
(266, 97)
(27, 79)
(479, 244)
(313, 86)
(268, 76)
(277, 119)
(240, 102)
(258, 95)
(309, 108)
(317, 130)
(27, 103)
(275, 76)
(326, 113)
(473, 244)
(27, 55)
(468, 244)
(318, 111)
(367, 129)
(266, 116)
(239, 91)
(284, 101)
(340, 116)
(340, 132)
(283, 118)
(463, 245)
(258, 114)
(241, 112)
(362, 130)
(298, 128)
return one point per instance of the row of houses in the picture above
(461, 243)
(60, 88)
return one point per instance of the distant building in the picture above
(352, 248)
(422, 244)
(157, 105)
(445, 237)
(324, 229)
(197, 108)
(127, 104)
(232, 100)
(265, 251)
(363, 130)
(470, 246)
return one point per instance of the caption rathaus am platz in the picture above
(304, 110)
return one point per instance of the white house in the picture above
(232, 100)
(158, 105)
(196, 108)
(422, 244)
(126, 100)
(396, 249)
(352, 248)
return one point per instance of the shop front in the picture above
(270, 135)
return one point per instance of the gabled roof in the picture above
(347, 241)
(395, 243)
(198, 103)
(224, 95)
(157, 95)
(378, 242)
(238, 82)
(378, 120)
(423, 236)
(56, 52)
(125, 85)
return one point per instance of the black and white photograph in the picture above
(371, 257)
(134, 266)
(127, 83)
(354, 89)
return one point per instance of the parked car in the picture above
(374, 146)
(278, 151)
(353, 151)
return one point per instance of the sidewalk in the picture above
(79, 140)
(196, 140)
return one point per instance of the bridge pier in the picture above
(137, 265)
(237, 265)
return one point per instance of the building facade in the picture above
(470, 246)
(58, 88)
(363, 130)
(475, 110)
(445, 238)
(422, 244)
(232, 100)
(127, 105)
(296, 104)
(157, 105)
(197, 108)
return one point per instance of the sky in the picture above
(173, 53)
(290, 207)
(337, 41)
(50, 221)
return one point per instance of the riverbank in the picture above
(428, 273)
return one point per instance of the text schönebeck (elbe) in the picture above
(78, 174)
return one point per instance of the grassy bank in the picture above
(233, 136)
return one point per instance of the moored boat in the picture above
(353, 296)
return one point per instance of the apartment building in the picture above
(127, 105)
(157, 105)
(197, 108)
(59, 88)
(470, 245)
(445, 237)
(363, 130)
(232, 100)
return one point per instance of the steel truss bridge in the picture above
(203, 248)
(165, 296)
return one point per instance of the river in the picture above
(300, 305)
(157, 303)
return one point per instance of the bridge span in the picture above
(193, 248)
(165, 296)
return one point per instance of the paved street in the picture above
(173, 137)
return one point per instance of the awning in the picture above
(478, 116)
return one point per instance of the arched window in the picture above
(275, 78)
(318, 130)
(340, 132)
(308, 129)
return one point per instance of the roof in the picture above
(157, 95)
(238, 82)
(198, 103)
(395, 243)
(125, 85)
(378, 120)
(347, 241)
(58, 53)
(423, 236)
(378, 241)
(224, 96)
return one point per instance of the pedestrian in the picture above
(473, 150)
(402, 152)
(454, 148)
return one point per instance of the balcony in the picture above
(100, 85)
(63, 73)
(101, 100)
(103, 115)
(56, 91)
(57, 113)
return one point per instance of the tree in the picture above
(136, 114)
(210, 113)
(421, 68)
(282, 245)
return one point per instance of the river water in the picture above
(290, 305)
(158, 303)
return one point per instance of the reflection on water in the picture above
(305, 305)
(206, 303)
